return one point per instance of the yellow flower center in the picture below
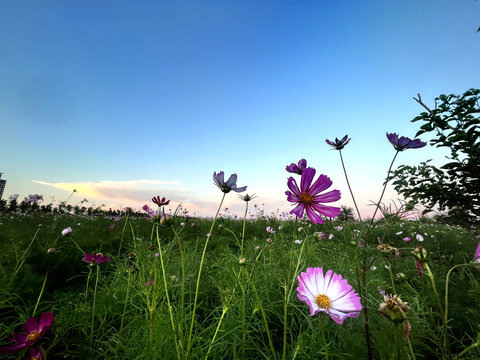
(323, 301)
(33, 336)
(35, 358)
(306, 198)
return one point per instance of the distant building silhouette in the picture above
(2, 185)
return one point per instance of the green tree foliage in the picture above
(454, 187)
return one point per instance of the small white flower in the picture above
(298, 241)
(374, 267)
(399, 233)
(300, 229)
(66, 231)
(338, 228)
(330, 237)
(419, 237)
(182, 224)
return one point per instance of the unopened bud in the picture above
(51, 250)
(242, 261)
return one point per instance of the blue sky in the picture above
(126, 100)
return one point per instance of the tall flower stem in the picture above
(121, 237)
(182, 259)
(88, 282)
(442, 312)
(189, 343)
(170, 310)
(288, 295)
(383, 192)
(349, 187)
(244, 305)
(22, 259)
(93, 306)
(445, 318)
(325, 344)
(41, 293)
(126, 301)
(224, 311)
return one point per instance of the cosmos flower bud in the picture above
(51, 250)
(166, 220)
(393, 308)
(242, 261)
(420, 254)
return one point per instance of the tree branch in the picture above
(419, 100)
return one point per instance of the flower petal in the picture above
(292, 197)
(328, 211)
(322, 183)
(292, 185)
(307, 176)
(232, 180)
(313, 216)
(298, 210)
(327, 197)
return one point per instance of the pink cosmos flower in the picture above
(406, 239)
(227, 186)
(34, 331)
(477, 254)
(297, 169)
(308, 198)
(329, 293)
(66, 231)
(338, 144)
(117, 218)
(160, 202)
(95, 258)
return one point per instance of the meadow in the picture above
(140, 303)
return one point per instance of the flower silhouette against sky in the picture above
(329, 293)
(227, 186)
(33, 331)
(308, 197)
(402, 143)
(160, 202)
(297, 169)
(338, 144)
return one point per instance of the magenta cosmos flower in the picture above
(308, 198)
(329, 294)
(297, 169)
(95, 258)
(401, 143)
(477, 254)
(160, 202)
(338, 144)
(227, 186)
(33, 331)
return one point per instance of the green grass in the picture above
(251, 296)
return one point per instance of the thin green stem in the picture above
(325, 344)
(121, 237)
(269, 335)
(349, 187)
(442, 312)
(166, 294)
(93, 306)
(391, 277)
(126, 301)
(224, 311)
(470, 348)
(22, 259)
(243, 228)
(40, 295)
(445, 318)
(189, 343)
(88, 282)
(182, 259)
(381, 196)
(411, 349)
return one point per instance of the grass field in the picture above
(246, 306)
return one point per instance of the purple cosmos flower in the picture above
(297, 169)
(308, 198)
(477, 254)
(230, 184)
(402, 143)
(160, 202)
(95, 259)
(329, 294)
(66, 231)
(33, 331)
(35, 354)
(338, 144)
(117, 218)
